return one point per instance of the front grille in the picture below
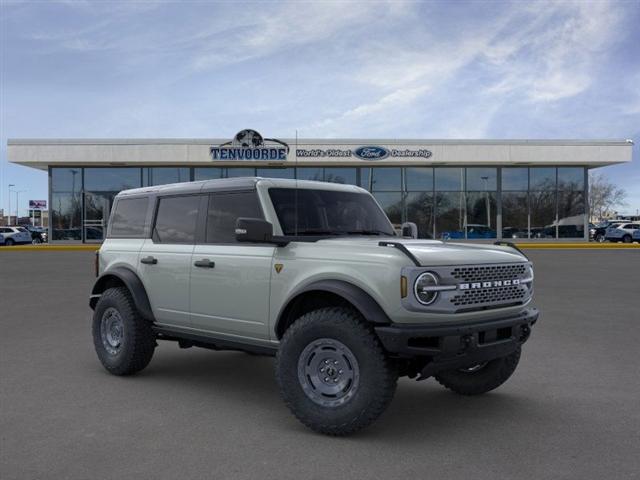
(488, 273)
(495, 295)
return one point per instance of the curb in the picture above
(527, 246)
(45, 248)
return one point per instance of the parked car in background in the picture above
(622, 232)
(635, 236)
(38, 234)
(1, 239)
(473, 231)
(15, 235)
(514, 232)
(600, 230)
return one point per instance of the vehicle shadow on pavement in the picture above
(239, 384)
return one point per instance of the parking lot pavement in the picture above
(570, 411)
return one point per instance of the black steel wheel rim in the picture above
(328, 372)
(111, 330)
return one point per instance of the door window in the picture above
(225, 209)
(176, 219)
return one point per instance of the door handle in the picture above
(205, 263)
(149, 260)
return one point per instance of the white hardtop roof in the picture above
(239, 183)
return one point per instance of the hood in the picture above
(435, 252)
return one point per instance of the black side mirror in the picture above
(255, 230)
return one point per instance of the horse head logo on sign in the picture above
(250, 145)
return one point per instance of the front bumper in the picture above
(447, 347)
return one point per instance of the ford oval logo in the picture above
(371, 153)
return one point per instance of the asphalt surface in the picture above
(572, 409)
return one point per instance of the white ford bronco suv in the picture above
(314, 274)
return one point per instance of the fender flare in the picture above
(133, 284)
(356, 296)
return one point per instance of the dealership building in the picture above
(533, 190)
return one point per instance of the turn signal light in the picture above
(403, 287)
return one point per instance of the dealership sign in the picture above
(366, 152)
(250, 145)
(38, 204)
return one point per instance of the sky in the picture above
(374, 69)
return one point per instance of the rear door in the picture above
(165, 258)
(230, 280)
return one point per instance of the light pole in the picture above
(18, 192)
(9, 211)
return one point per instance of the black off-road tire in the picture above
(483, 380)
(377, 375)
(137, 342)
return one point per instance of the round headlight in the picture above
(422, 288)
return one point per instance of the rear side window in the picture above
(176, 219)
(224, 210)
(128, 219)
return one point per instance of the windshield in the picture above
(328, 212)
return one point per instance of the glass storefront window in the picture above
(449, 208)
(449, 179)
(515, 179)
(310, 173)
(340, 175)
(365, 178)
(164, 176)
(386, 179)
(515, 215)
(419, 207)
(275, 172)
(542, 178)
(481, 215)
(240, 172)
(391, 203)
(111, 179)
(571, 178)
(66, 216)
(571, 211)
(543, 214)
(66, 179)
(418, 179)
(482, 179)
(207, 173)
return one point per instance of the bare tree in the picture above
(604, 196)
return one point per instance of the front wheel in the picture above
(123, 339)
(599, 238)
(333, 373)
(481, 378)
(9, 242)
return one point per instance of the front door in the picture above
(230, 280)
(165, 259)
(97, 206)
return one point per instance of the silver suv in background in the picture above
(314, 274)
(622, 232)
(15, 235)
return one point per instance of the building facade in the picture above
(533, 190)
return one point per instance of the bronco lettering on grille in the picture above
(495, 283)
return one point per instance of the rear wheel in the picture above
(333, 373)
(480, 378)
(9, 242)
(123, 340)
(626, 238)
